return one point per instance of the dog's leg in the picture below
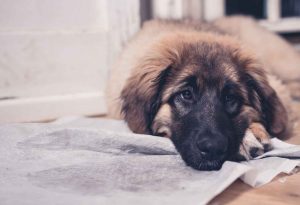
(255, 142)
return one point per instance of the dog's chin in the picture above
(196, 161)
(205, 165)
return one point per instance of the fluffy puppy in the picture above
(202, 88)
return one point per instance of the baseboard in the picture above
(52, 107)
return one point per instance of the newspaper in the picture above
(99, 161)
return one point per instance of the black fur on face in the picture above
(205, 129)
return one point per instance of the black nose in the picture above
(212, 149)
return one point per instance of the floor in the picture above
(285, 189)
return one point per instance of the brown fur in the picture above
(162, 47)
(140, 87)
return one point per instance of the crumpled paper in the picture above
(99, 161)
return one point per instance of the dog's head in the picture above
(202, 92)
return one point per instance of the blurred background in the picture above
(55, 55)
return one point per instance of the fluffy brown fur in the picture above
(163, 57)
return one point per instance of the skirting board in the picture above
(51, 107)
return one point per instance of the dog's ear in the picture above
(141, 96)
(273, 113)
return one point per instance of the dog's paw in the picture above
(261, 134)
(255, 142)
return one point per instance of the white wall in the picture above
(55, 55)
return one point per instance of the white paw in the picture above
(251, 147)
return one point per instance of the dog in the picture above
(204, 86)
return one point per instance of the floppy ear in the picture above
(274, 115)
(141, 96)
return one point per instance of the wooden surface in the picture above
(284, 189)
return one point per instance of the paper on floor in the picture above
(92, 161)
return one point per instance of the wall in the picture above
(55, 55)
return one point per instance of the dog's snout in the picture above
(211, 147)
(211, 150)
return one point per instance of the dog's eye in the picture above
(186, 95)
(230, 99)
(232, 104)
